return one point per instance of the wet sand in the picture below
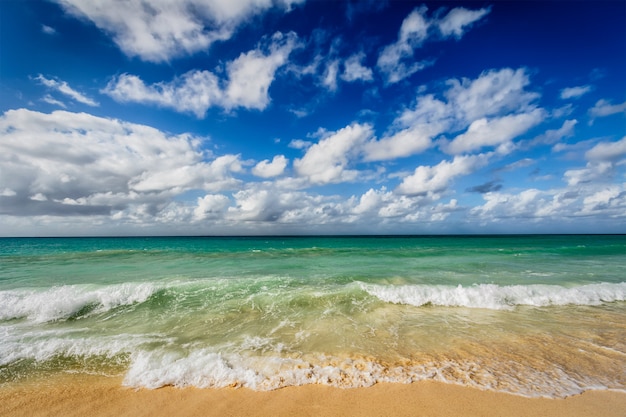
(79, 395)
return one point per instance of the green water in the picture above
(532, 315)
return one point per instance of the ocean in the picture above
(538, 316)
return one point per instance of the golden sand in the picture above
(78, 395)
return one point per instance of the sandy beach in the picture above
(79, 395)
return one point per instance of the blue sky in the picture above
(312, 117)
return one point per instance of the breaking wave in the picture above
(496, 297)
(70, 301)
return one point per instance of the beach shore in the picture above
(79, 395)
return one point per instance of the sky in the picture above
(262, 117)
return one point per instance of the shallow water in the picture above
(531, 315)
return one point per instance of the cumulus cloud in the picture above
(109, 173)
(575, 92)
(493, 92)
(384, 204)
(436, 179)
(64, 88)
(610, 200)
(602, 160)
(273, 168)
(507, 206)
(493, 132)
(491, 110)
(396, 60)
(249, 77)
(275, 207)
(403, 143)
(251, 74)
(160, 30)
(211, 206)
(76, 163)
(547, 209)
(327, 160)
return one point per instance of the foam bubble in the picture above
(62, 303)
(491, 296)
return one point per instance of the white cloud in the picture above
(326, 161)
(436, 179)
(509, 206)
(401, 144)
(48, 30)
(494, 92)
(554, 210)
(593, 172)
(607, 151)
(211, 206)
(412, 33)
(38, 197)
(413, 133)
(83, 164)
(611, 198)
(354, 69)
(51, 100)
(300, 144)
(458, 20)
(383, 204)
(603, 158)
(329, 79)
(493, 132)
(64, 88)
(160, 30)
(249, 78)
(388, 208)
(396, 60)
(116, 177)
(7, 192)
(563, 111)
(267, 169)
(269, 205)
(604, 108)
(495, 108)
(575, 92)
(553, 136)
(195, 92)
(251, 74)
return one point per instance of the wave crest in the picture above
(496, 297)
(70, 301)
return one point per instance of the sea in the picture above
(537, 316)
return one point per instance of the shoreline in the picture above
(80, 395)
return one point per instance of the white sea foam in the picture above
(208, 369)
(491, 296)
(204, 368)
(61, 303)
(47, 345)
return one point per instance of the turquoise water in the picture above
(530, 315)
